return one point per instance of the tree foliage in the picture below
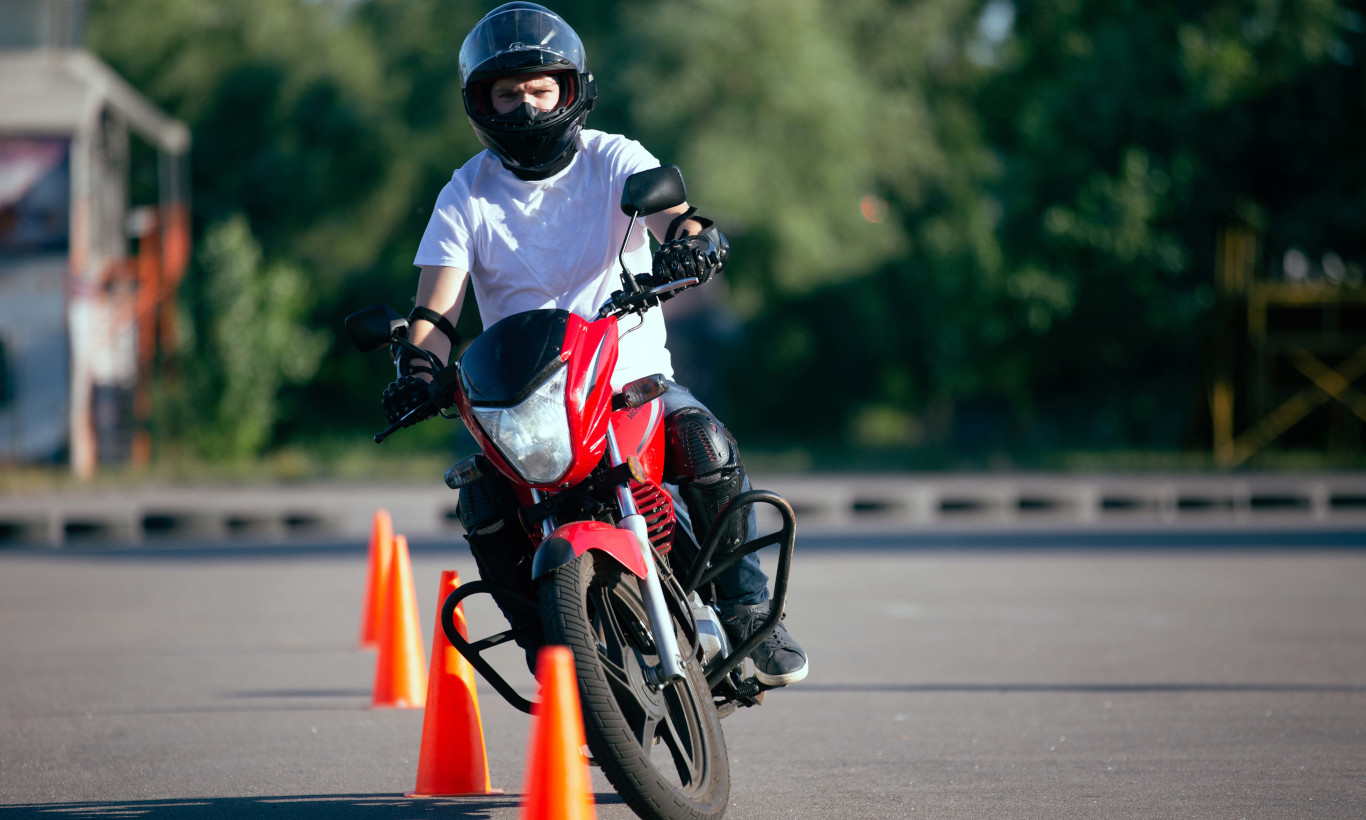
(251, 341)
(978, 222)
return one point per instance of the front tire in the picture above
(662, 748)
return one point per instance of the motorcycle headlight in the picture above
(534, 435)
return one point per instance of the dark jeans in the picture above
(744, 583)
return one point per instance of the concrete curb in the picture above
(863, 502)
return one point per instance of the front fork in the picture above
(670, 667)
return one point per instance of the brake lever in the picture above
(422, 412)
(677, 284)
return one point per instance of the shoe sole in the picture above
(782, 680)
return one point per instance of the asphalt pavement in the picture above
(1110, 675)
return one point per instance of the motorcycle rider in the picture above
(532, 223)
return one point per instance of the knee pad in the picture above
(702, 459)
(696, 445)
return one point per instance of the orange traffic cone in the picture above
(557, 782)
(400, 680)
(452, 760)
(381, 555)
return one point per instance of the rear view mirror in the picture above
(650, 192)
(375, 327)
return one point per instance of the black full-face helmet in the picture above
(524, 38)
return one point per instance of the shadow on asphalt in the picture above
(1233, 539)
(1082, 688)
(298, 807)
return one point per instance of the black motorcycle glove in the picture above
(687, 257)
(402, 396)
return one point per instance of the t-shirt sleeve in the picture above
(446, 242)
(626, 157)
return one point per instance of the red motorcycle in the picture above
(619, 579)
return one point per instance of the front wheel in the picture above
(661, 747)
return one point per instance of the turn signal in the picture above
(643, 391)
(464, 473)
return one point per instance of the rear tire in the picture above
(661, 748)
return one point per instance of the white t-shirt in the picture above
(550, 243)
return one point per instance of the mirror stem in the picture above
(627, 280)
(426, 354)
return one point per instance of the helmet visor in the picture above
(519, 40)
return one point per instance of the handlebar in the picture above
(622, 303)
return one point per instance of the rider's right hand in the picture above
(403, 395)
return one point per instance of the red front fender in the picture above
(570, 541)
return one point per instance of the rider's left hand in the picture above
(687, 257)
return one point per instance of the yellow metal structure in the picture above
(1276, 331)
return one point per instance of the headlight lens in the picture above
(534, 435)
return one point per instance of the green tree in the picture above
(248, 340)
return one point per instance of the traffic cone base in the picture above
(452, 760)
(557, 783)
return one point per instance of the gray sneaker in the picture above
(779, 660)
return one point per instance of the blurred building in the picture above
(86, 281)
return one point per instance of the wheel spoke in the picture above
(613, 649)
(680, 734)
(624, 667)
